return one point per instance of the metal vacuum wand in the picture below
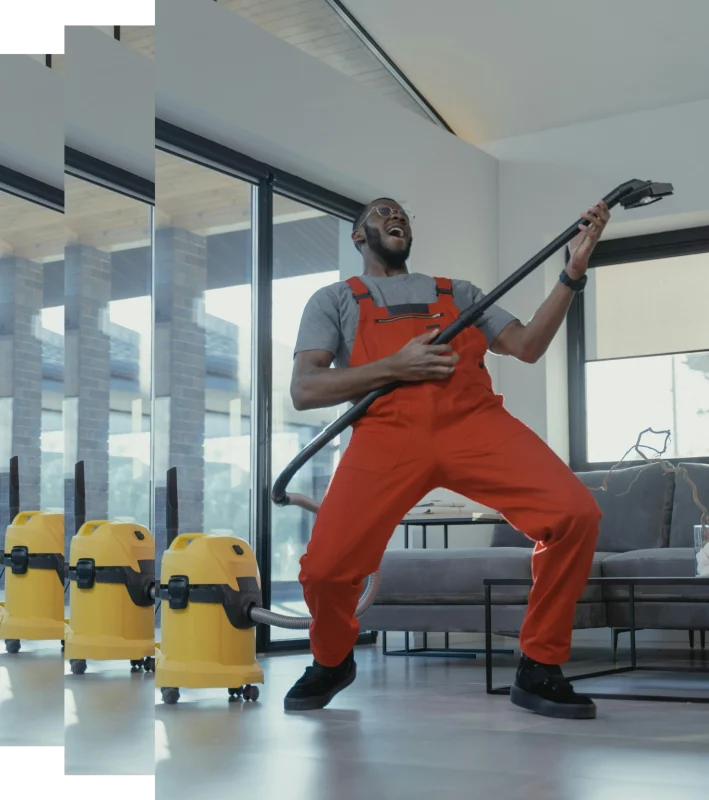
(631, 194)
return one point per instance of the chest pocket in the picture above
(402, 317)
(408, 311)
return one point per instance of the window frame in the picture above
(31, 189)
(647, 247)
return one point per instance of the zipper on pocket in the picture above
(410, 316)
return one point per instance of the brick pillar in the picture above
(87, 287)
(180, 283)
(21, 293)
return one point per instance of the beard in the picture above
(395, 257)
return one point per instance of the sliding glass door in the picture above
(202, 281)
(306, 257)
(240, 247)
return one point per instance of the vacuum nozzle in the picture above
(645, 193)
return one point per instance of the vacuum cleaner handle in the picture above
(79, 497)
(172, 513)
(466, 318)
(14, 487)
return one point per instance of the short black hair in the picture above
(359, 219)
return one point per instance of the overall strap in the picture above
(360, 291)
(444, 286)
(444, 296)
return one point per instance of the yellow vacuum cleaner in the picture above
(210, 589)
(208, 583)
(112, 576)
(112, 573)
(33, 559)
(34, 579)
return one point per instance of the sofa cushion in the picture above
(685, 513)
(504, 535)
(506, 620)
(670, 562)
(636, 507)
(450, 577)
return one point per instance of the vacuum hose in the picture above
(266, 617)
(631, 194)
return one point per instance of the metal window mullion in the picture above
(153, 286)
(261, 390)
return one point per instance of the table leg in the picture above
(445, 545)
(488, 639)
(633, 657)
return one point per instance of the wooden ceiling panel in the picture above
(140, 38)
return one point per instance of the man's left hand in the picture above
(584, 244)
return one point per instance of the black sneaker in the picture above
(320, 684)
(543, 689)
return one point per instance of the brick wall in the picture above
(21, 292)
(180, 283)
(87, 287)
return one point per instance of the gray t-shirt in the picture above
(331, 315)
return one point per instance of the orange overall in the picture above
(453, 434)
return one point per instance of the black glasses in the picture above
(388, 211)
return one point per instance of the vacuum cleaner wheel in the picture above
(170, 695)
(136, 665)
(251, 693)
(235, 694)
(12, 645)
(77, 666)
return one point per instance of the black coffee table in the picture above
(630, 583)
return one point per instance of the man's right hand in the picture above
(420, 361)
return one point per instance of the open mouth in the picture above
(396, 232)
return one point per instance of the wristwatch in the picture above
(577, 285)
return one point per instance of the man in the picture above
(445, 427)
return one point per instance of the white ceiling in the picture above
(500, 68)
(313, 27)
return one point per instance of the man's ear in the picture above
(358, 236)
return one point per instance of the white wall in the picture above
(110, 101)
(32, 130)
(227, 79)
(547, 180)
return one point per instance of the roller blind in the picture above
(647, 308)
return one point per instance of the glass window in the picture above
(107, 280)
(52, 333)
(643, 371)
(307, 255)
(203, 338)
(626, 396)
(32, 240)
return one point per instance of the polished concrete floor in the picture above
(109, 716)
(408, 728)
(32, 696)
(422, 727)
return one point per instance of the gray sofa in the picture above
(646, 531)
